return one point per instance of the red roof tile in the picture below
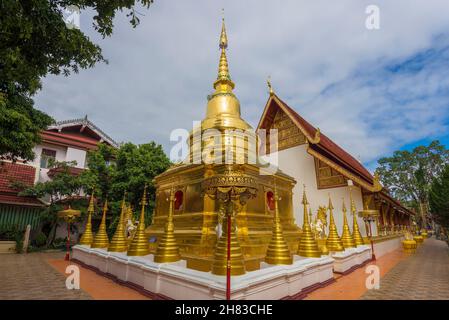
(15, 172)
(69, 139)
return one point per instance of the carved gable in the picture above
(288, 133)
(327, 177)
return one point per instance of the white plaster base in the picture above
(349, 259)
(384, 247)
(176, 281)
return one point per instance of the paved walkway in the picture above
(424, 275)
(30, 277)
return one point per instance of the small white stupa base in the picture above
(176, 281)
(350, 259)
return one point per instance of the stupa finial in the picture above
(223, 82)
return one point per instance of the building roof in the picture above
(321, 146)
(21, 173)
(82, 125)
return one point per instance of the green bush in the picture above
(40, 240)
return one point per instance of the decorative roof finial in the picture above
(269, 85)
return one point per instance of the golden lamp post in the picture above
(232, 189)
(69, 215)
(369, 216)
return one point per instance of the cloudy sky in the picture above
(371, 91)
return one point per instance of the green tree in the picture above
(35, 41)
(128, 168)
(63, 185)
(408, 175)
(439, 198)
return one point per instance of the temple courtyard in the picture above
(424, 275)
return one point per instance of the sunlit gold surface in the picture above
(87, 238)
(139, 245)
(308, 246)
(278, 251)
(419, 239)
(333, 242)
(195, 223)
(356, 235)
(167, 249)
(409, 246)
(346, 238)
(101, 239)
(118, 241)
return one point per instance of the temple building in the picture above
(224, 211)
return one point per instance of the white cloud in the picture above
(160, 73)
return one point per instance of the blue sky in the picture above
(371, 91)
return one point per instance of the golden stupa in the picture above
(278, 251)
(346, 237)
(308, 246)
(139, 245)
(195, 216)
(118, 241)
(358, 239)
(88, 237)
(101, 239)
(333, 241)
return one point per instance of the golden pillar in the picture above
(118, 241)
(167, 248)
(333, 241)
(358, 239)
(101, 239)
(88, 237)
(278, 251)
(308, 246)
(139, 245)
(346, 237)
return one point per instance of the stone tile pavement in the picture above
(30, 277)
(424, 275)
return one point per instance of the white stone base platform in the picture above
(175, 281)
(350, 259)
(386, 244)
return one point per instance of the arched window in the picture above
(179, 197)
(270, 200)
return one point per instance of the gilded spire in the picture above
(270, 88)
(358, 239)
(277, 251)
(118, 241)
(308, 246)
(88, 236)
(346, 237)
(101, 239)
(223, 82)
(139, 245)
(333, 241)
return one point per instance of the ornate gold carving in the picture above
(328, 177)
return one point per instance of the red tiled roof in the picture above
(18, 200)
(327, 146)
(14, 172)
(69, 139)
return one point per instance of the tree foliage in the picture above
(34, 42)
(408, 175)
(112, 172)
(439, 198)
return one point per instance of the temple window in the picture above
(179, 197)
(270, 200)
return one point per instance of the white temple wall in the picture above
(299, 164)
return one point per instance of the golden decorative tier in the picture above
(333, 241)
(409, 246)
(87, 238)
(118, 241)
(346, 238)
(308, 246)
(101, 239)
